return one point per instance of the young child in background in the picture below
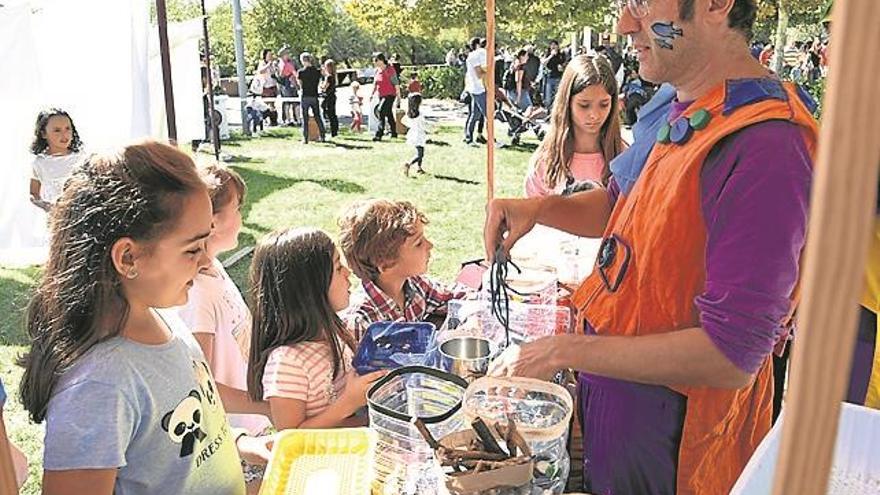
(301, 353)
(129, 402)
(356, 102)
(57, 148)
(385, 245)
(215, 311)
(417, 133)
(257, 110)
(414, 85)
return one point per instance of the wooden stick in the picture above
(841, 213)
(516, 437)
(490, 100)
(497, 464)
(486, 436)
(420, 425)
(8, 485)
(473, 454)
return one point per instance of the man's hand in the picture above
(536, 359)
(507, 220)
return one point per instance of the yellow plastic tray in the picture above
(321, 462)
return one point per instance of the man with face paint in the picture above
(703, 223)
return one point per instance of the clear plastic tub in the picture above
(337, 461)
(542, 412)
(528, 322)
(404, 460)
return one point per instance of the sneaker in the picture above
(481, 140)
(474, 144)
(421, 170)
(376, 139)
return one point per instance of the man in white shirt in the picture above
(475, 70)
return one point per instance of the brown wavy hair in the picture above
(557, 147)
(290, 282)
(79, 302)
(372, 232)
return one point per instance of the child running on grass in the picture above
(417, 133)
(301, 352)
(129, 403)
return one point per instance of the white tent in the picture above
(92, 58)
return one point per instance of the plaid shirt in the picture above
(423, 297)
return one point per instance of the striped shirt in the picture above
(304, 372)
(423, 297)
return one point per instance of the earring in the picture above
(132, 274)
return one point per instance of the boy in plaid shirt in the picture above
(384, 244)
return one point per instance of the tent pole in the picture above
(170, 118)
(215, 132)
(238, 38)
(842, 210)
(490, 99)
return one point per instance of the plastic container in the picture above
(389, 345)
(534, 283)
(321, 462)
(854, 470)
(528, 322)
(542, 412)
(404, 461)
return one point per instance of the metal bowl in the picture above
(467, 357)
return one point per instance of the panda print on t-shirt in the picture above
(185, 424)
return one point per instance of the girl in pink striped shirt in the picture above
(301, 353)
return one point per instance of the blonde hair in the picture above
(372, 232)
(223, 185)
(557, 148)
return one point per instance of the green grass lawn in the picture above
(292, 184)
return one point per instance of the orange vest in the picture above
(661, 221)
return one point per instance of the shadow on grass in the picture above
(244, 159)
(523, 147)
(261, 184)
(456, 179)
(339, 144)
(433, 142)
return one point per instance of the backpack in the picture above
(510, 79)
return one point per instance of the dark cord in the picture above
(499, 290)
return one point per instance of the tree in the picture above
(348, 41)
(301, 24)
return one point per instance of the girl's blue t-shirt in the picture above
(152, 412)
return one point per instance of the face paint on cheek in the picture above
(666, 33)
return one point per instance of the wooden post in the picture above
(841, 215)
(215, 131)
(8, 483)
(490, 100)
(164, 54)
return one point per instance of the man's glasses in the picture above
(637, 8)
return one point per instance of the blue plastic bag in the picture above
(389, 345)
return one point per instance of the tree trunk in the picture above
(781, 31)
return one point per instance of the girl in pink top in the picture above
(584, 134)
(301, 353)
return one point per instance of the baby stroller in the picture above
(517, 123)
